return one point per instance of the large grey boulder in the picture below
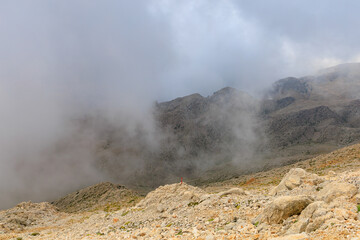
(282, 208)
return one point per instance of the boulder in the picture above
(318, 222)
(282, 208)
(310, 209)
(294, 178)
(299, 226)
(336, 189)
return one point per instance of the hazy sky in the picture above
(165, 49)
(60, 58)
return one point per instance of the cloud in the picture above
(61, 60)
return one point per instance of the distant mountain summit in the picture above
(230, 132)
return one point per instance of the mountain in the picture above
(230, 133)
(321, 109)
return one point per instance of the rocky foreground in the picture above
(320, 202)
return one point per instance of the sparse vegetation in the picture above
(124, 213)
(192, 204)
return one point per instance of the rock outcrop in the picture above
(282, 208)
(337, 189)
(294, 178)
(26, 215)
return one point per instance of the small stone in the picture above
(229, 226)
(210, 237)
(302, 236)
(331, 174)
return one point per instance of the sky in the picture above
(63, 58)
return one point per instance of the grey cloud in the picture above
(61, 60)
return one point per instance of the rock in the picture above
(229, 226)
(261, 227)
(169, 197)
(302, 236)
(357, 198)
(294, 178)
(341, 214)
(310, 209)
(210, 237)
(320, 212)
(336, 189)
(318, 222)
(235, 191)
(299, 226)
(291, 180)
(282, 208)
(240, 225)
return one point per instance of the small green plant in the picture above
(180, 232)
(256, 224)
(169, 225)
(35, 234)
(100, 233)
(211, 219)
(124, 213)
(192, 204)
(19, 238)
(358, 208)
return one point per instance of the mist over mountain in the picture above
(204, 139)
(145, 92)
(230, 133)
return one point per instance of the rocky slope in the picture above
(107, 196)
(318, 109)
(314, 199)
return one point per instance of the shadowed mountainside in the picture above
(231, 133)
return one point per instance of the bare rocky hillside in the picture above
(314, 199)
